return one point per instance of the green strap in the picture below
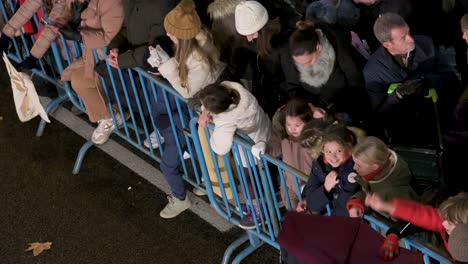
(392, 88)
(433, 95)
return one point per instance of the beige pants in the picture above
(91, 91)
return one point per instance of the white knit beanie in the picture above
(250, 17)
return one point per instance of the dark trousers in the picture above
(170, 163)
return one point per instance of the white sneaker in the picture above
(186, 155)
(198, 191)
(104, 129)
(153, 140)
(174, 207)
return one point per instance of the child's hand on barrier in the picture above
(331, 181)
(390, 249)
(374, 201)
(258, 148)
(204, 119)
(301, 206)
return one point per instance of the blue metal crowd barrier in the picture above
(272, 205)
(243, 183)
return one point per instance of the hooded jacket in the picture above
(395, 184)
(247, 116)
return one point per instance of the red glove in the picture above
(390, 249)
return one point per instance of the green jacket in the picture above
(144, 21)
(396, 184)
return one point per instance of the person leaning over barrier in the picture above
(56, 10)
(450, 218)
(382, 171)
(194, 66)
(231, 107)
(98, 24)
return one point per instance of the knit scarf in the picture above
(318, 74)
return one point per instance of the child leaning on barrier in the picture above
(382, 171)
(289, 123)
(231, 107)
(450, 218)
(332, 177)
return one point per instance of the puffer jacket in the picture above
(247, 116)
(199, 74)
(100, 22)
(316, 195)
(26, 12)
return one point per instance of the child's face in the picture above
(449, 226)
(363, 168)
(335, 154)
(294, 126)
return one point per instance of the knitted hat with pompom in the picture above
(183, 21)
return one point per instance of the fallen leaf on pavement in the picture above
(37, 247)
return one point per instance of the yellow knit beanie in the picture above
(183, 21)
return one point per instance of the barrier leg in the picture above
(255, 242)
(234, 245)
(50, 106)
(81, 154)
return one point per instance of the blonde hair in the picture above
(464, 22)
(184, 50)
(455, 209)
(372, 150)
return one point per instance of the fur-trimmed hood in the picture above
(219, 9)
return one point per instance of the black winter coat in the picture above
(344, 91)
(382, 69)
(316, 195)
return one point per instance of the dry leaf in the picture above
(37, 247)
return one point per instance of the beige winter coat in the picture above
(100, 22)
(247, 116)
(199, 74)
(26, 12)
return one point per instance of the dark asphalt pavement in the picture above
(91, 217)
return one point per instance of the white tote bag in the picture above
(25, 96)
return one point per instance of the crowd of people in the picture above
(324, 85)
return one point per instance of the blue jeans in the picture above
(170, 163)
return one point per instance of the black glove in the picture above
(76, 9)
(70, 34)
(4, 42)
(28, 63)
(409, 87)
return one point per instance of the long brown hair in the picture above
(265, 35)
(183, 51)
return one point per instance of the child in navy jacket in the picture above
(332, 178)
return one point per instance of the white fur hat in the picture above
(250, 17)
